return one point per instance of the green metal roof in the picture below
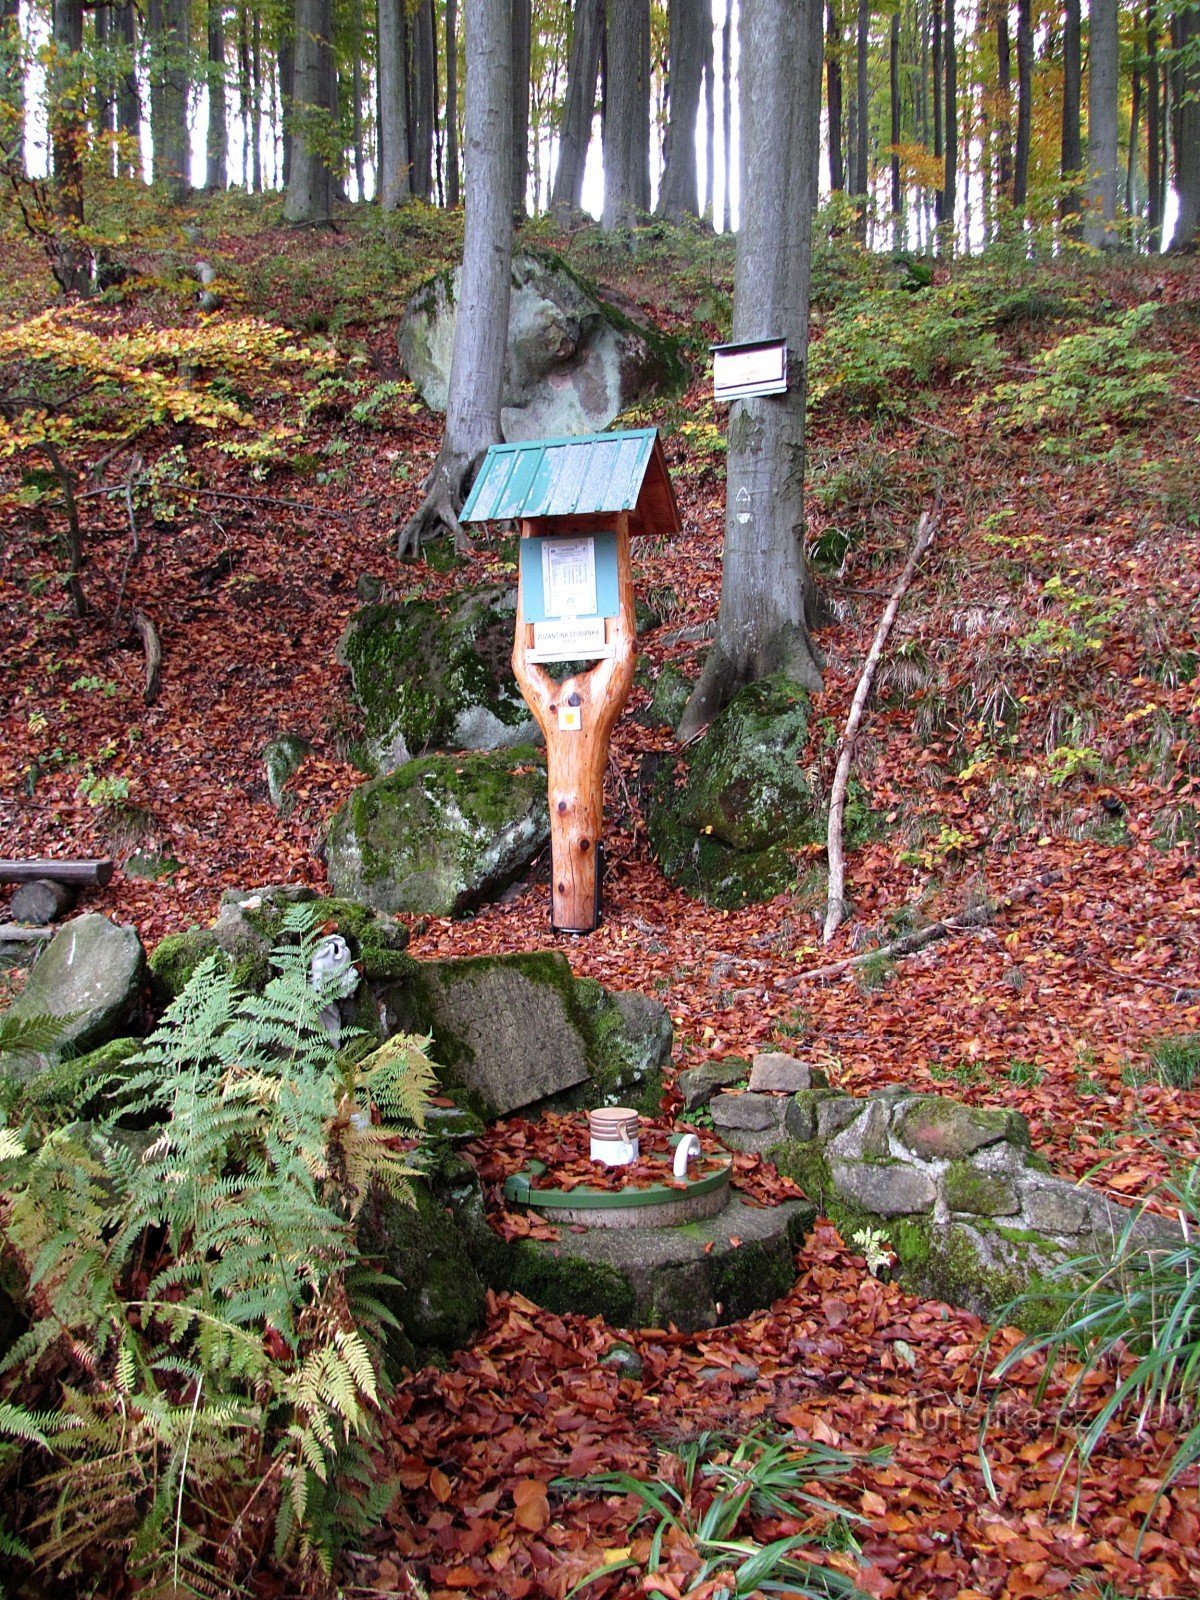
(576, 477)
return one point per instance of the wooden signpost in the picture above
(578, 502)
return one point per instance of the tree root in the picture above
(445, 491)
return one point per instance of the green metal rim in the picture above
(519, 1188)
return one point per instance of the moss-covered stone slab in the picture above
(174, 959)
(979, 1193)
(884, 1188)
(442, 834)
(90, 975)
(725, 820)
(698, 1084)
(945, 1130)
(430, 676)
(693, 1276)
(282, 758)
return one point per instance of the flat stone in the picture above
(1055, 1206)
(935, 1129)
(837, 1113)
(966, 1188)
(773, 1072)
(864, 1139)
(90, 975)
(754, 1112)
(694, 1277)
(800, 1118)
(886, 1188)
(624, 1359)
(698, 1084)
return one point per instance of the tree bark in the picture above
(481, 323)
(1102, 155)
(1003, 128)
(168, 31)
(129, 105)
(309, 199)
(256, 97)
(727, 116)
(579, 106)
(710, 119)
(356, 89)
(1024, 103)
(453, 190)
(287, 78)
(216, 173)
(521, 39)
(949, 205)
(939, 148)
(394, 188)
(894, 86)
(70, 259)
(678, 195)
(1153, 131)
(833, 77)
(1135, 128)
(627, 114)
(422, 106)
(762, 623)
(1185, 36)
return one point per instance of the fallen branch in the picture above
(148, 634)
(836, 907)
(972, 920)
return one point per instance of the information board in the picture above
(743, 370)
(569, 588)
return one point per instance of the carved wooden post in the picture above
(577, 717)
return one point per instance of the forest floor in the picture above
(1036, 719)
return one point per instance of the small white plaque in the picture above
(572, 639)
(743, 370)
(570, 719)
(569, 577)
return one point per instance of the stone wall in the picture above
(974, 1214)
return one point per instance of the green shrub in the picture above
(201, 1308)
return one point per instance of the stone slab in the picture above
(774, 1072)
(90, 974)
(887, 1188)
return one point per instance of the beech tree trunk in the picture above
(579, 105)
(679, 194)
(521, 38)
(710, 120)
(833, 76)
(951, 169)
(939, 148)
(1153, 131)
(356, 90)
(726, 115)
(216, 173)
(894, 86)
(168, 31)
(1072, 147)
(453, 192)
(1104, 62)
(309, 199)
(70, 260)
(1185, 36)
(862, 109)
(1024, 102)
(394, 186)
(766, 595)
(627, 114)
(129, 105)
(1003, 129)
(481, 323)
(422, 106)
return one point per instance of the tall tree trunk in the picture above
(256, 97)
(356, 89)
(243, 55)
(726, 117)
(894, 85)
(422, 108)
(833, 93)
(1185, 73)
(287, 82)
(66, 111)
(216, 174)
(129, 103)
(168, 30)
(1135, 119)
(436, 124)
(862, 103)
(579, 105)
(627, 114)
(710, 122)
(102, 86)
(453, 191)
(1102, 154)
(394, 185)
(1003, 131)
(481, 321)
(1153, 132)
(309, 199)
(521, 41)
(678, 195)
(12, 92)
(1024, 103)
(939, 149)
(1072, 140)
(765, 587)
(950, 202)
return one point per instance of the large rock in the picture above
(512, 1030)
(90, 975)
(441, 834)
(429, 676)
(574, 359)
(743, 804)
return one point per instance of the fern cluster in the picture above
(198, 1293)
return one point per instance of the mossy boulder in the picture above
(509, 1031)
(575, 357)
(725, 820)
(935, 1129)
(433, 676)
(89, 975)
(442, 834)
(86, 1086)
(174, 959)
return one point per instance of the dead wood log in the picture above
(72, 871)
(970, 921)
(152, 646)
(835, 911)
(41, 901)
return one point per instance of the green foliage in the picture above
(1176, 1059)
(706, 1491)
(201, 1299)
(1132, 1329)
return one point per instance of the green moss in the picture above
(176, 958)
(88, 1085)
(378, 942)
(985, 1194)
(565, 1283)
